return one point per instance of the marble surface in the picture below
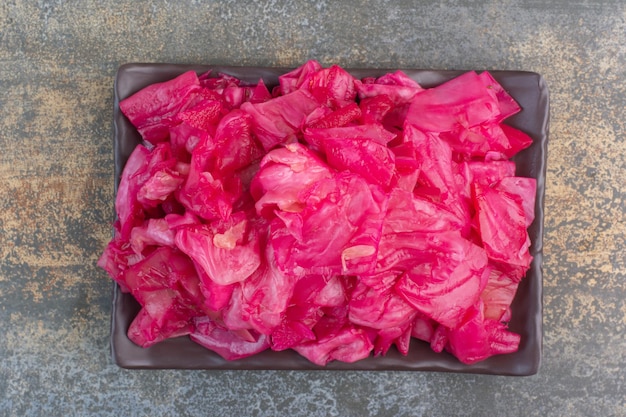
(57, 64)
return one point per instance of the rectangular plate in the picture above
(530, 91)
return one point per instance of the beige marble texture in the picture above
(58, 60)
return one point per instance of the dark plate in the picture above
(530, 91)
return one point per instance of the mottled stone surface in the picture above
(57, 64)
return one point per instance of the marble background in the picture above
(57, 64)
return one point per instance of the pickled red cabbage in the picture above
(335, 216)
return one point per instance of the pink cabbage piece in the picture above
(205, 115)
(166, 286)
(284, 174)
(153, 110)
(466, 111)
(441, 289)
(478, 338)
(260, 301)
(160, 178)
(228, 252)
(379, 309)
(371, 160)
(235, 148)
(117, 257)
(216, 296)
(400, 336)
(499, 209)
(349, 345)
(371, 132)
(498, 295)
(129, 211)
(360, 149)
(293, 80)
(337, 231)
(489, 173)
(333, 86)
(506, 104)
(184, 138)
(423, 328)
(463, 101)
(228, 344)
(310, 295)
(485, 138)
(397, 86)
(375, 109)
(439, 178)
(409, 212)
(277, 121)
(205, 193)
(324, 118)
(154, 232)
